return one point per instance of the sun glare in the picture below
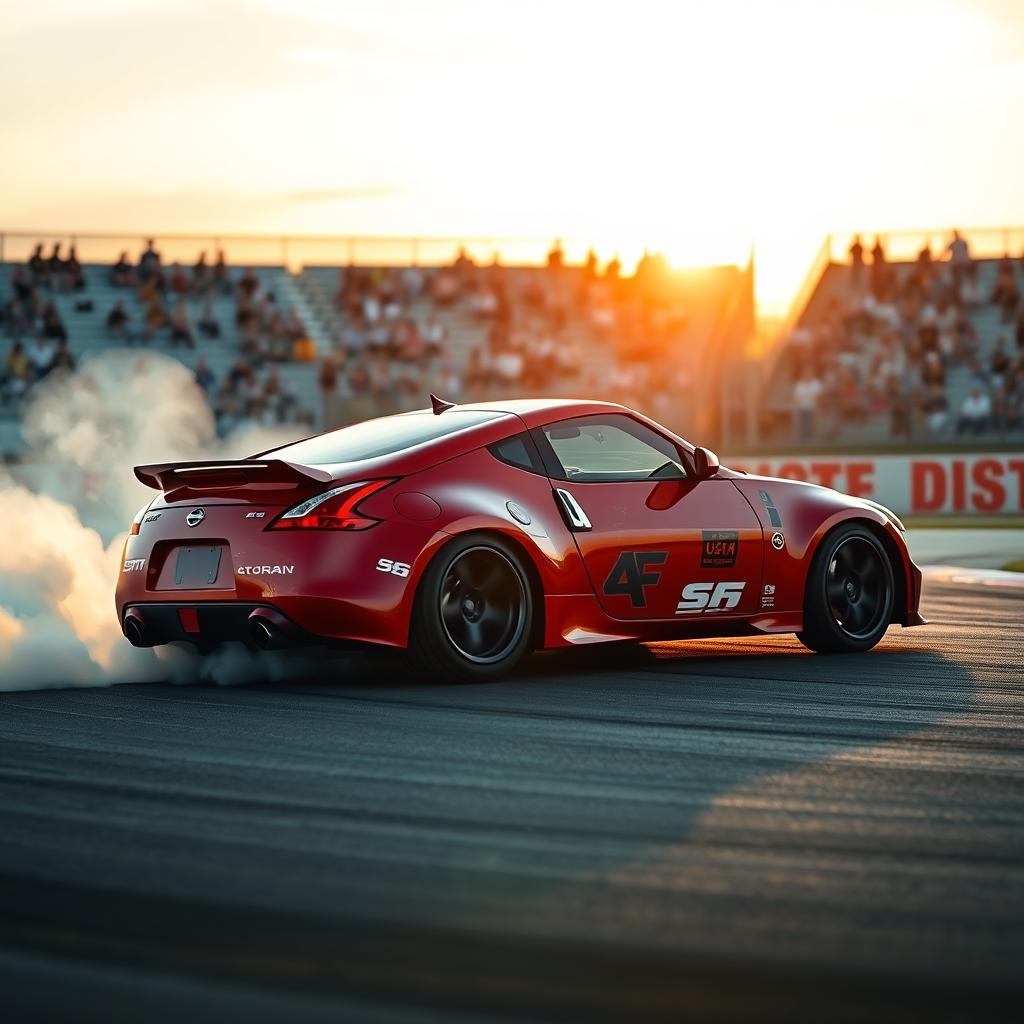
(695, 129)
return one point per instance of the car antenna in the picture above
(439, 405)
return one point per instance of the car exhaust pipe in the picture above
(134, 628)
(261, 633)
(269, 630)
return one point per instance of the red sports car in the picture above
(474, 534)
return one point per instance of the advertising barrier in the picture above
(983, 484)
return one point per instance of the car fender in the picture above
(803, 514)
(505, 501)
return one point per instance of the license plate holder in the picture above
(197, 566)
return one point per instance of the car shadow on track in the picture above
(610, 833)
(768, 657)
(675, 791)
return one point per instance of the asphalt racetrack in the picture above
(713, 830)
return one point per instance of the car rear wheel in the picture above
(849, 595)
(474, 611)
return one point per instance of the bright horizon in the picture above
(693, 129)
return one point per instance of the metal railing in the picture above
(296, 251)
(904, 245)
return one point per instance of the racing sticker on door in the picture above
(769, 506)
(632, 572)
(704, 598)
(719, 548)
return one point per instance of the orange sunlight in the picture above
(695, 129)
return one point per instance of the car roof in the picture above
(535, 412)
(509, 418)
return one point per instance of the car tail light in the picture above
(336, 509)
(139, 516)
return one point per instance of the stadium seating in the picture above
(88, 334)
(706, 312)
(836, 289)
(318, 286)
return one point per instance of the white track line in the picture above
(986, 577)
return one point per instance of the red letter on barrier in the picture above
(959, 485)
(1017, 466)
(860, 479)
(927, 486)
(826, 473)
(990, 495)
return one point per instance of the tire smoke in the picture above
(66, 508)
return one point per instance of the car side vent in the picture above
(575, 517)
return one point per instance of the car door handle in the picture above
(574, 514)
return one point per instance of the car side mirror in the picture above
(705, 462)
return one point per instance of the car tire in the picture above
(849, 593)
(473, 617)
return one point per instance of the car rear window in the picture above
(384, 436)
(518, 451)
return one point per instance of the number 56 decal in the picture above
(709, 597)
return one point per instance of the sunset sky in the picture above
(695, 128)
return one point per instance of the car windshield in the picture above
(384, 436)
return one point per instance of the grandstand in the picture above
(84, 316)
(870, 357)
(899, 352)
(380, 337)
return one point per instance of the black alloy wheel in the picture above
(850, 592)
(483, 605)
(857, 587)
(473, 618)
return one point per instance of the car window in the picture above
(593, 449)
(385, 436)
(518, 451)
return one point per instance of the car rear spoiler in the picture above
(225, 475)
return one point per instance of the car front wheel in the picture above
(849, 594)
(474, 611)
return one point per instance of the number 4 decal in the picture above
(629, 575)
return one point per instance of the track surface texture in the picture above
(713, 830)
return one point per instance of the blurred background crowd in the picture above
(930, 348)
(338, 344)
(882, 351)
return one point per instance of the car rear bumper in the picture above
(208, 623)
(327, 585)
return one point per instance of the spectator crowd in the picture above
(171, 304)
(30, 318)
(551, 328)
(883, 347)
(580, 328)
(887, 343)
